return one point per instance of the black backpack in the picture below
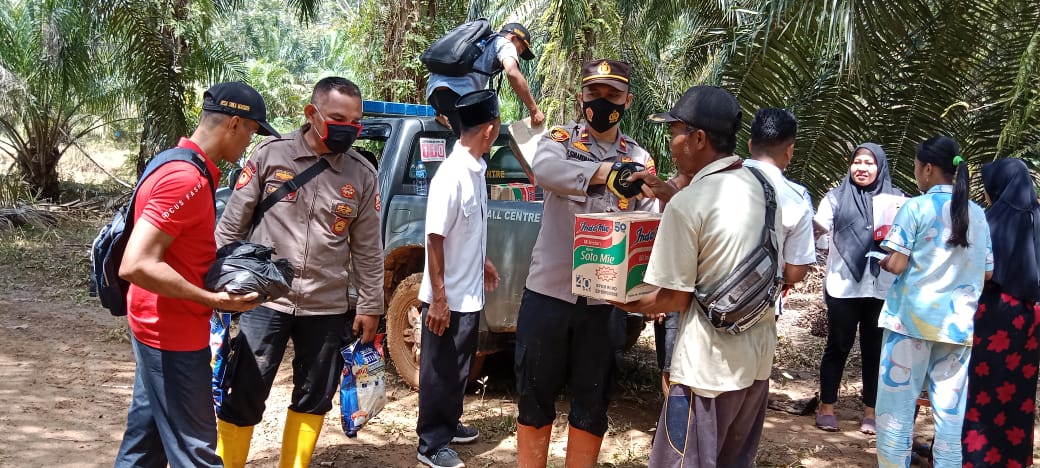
(455, 53)
(106, 253)
(740, 299)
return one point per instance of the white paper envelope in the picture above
(526, 139)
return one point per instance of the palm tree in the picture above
(53, 86)
(392, 35)
(851, 70)
(168, 55)
(164, 51)
(70, 66)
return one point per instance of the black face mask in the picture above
(602, 114)
(339, 136)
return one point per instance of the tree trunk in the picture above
(146, 149)
(40, 169)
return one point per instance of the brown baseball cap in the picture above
(521, 33)
(609, 72)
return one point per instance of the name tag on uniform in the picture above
(576, 156)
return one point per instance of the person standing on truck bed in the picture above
(457, 274)
(326, 222)
(561, 339)
(501, 55)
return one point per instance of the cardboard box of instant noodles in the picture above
(512, 191)
(611, 251)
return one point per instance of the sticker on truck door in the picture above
(432, 149)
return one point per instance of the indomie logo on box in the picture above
(611, 251)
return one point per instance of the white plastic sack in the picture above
(362, 394)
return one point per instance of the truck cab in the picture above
(400, 142)
(397, 136)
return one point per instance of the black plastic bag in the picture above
(244, 267)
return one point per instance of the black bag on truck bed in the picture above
(455, 53)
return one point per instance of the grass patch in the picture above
(494, 418)
(55, 259)
(117, 334)
(14, 190)
(639, 377)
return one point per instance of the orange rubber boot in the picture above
(532, 445)
(582, 448)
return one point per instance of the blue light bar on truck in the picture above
(396, 109)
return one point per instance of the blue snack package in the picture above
(362, 394)
(220, 354)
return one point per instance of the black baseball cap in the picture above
(238, 98)
(708, 108)
(521, 33)
(478, 107)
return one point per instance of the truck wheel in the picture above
(404, 329)
(404, 333)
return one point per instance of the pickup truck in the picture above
(398, 135)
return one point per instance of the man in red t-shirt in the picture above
(171, 247)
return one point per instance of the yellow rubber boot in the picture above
(299, 439)
(532, 445)
(582, 448)
(233, 443)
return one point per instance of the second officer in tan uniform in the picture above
(561, 339)
(329, 221)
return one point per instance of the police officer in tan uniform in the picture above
(562, 339)
(330, 221)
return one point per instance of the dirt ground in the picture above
(66, 372)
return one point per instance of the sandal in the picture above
(827, 422)
(868, 426)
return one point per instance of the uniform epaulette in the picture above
(364, 162)
(629, 141)
(271, 139)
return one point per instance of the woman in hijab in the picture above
(998, 424)
(855, 286)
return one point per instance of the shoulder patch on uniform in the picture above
(558, 134)
(364, 162)
(246, 175)
(651, 166)
(271, 187)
